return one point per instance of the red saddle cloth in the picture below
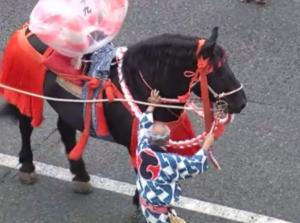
(22, 68)
(62, 65)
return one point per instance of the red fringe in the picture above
(22, 68)
(77, 151)
(182, 129)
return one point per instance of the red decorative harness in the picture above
(23, 68)
(180, 130)
(33, 107)
(182, 140)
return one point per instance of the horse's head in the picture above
(162, 62)
(221, 79)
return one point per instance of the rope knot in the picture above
(183, 98)
(109, 90)
(93, 83)
(189, 74)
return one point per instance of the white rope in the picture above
(93, 100)
(224, 94)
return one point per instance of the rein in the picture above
(183, 98)
(200, 75)
(211, 123)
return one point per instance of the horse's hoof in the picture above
(262, 2)
(27, 178)
(137, 216)
(82, 187)
(135, 199)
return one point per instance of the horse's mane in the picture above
(160, 52)
(162, 60)
(158, 57)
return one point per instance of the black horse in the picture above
(163, 61)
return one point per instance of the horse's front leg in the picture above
(81, 177)
(26, 172)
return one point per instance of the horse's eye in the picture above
(220, 63)
(225, 57)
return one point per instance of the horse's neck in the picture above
(141, 93)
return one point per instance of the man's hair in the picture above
(158, 134)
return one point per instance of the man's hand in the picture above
(153, 99)
(208, 141)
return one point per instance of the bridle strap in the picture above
(203, 70)
(224, 94)
(195, 78)
(180, 99)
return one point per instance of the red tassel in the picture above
(109, 91)
(78, 150)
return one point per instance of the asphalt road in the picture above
(259, 153)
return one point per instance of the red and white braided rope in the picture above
(137, 112)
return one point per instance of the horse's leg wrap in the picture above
(261, 1)
(77, 167)
(26, 171)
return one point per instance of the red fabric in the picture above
(154, 208)
(61, 64)
(111, 92)
(102, 126)
(181, 129)
(22, 68)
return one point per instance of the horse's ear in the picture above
(209, 47)
(214, 35)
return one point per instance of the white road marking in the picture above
(124, 188)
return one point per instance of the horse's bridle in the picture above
(195, 79)
(199, 76)
(224, 94)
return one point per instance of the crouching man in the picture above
(159, 172)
